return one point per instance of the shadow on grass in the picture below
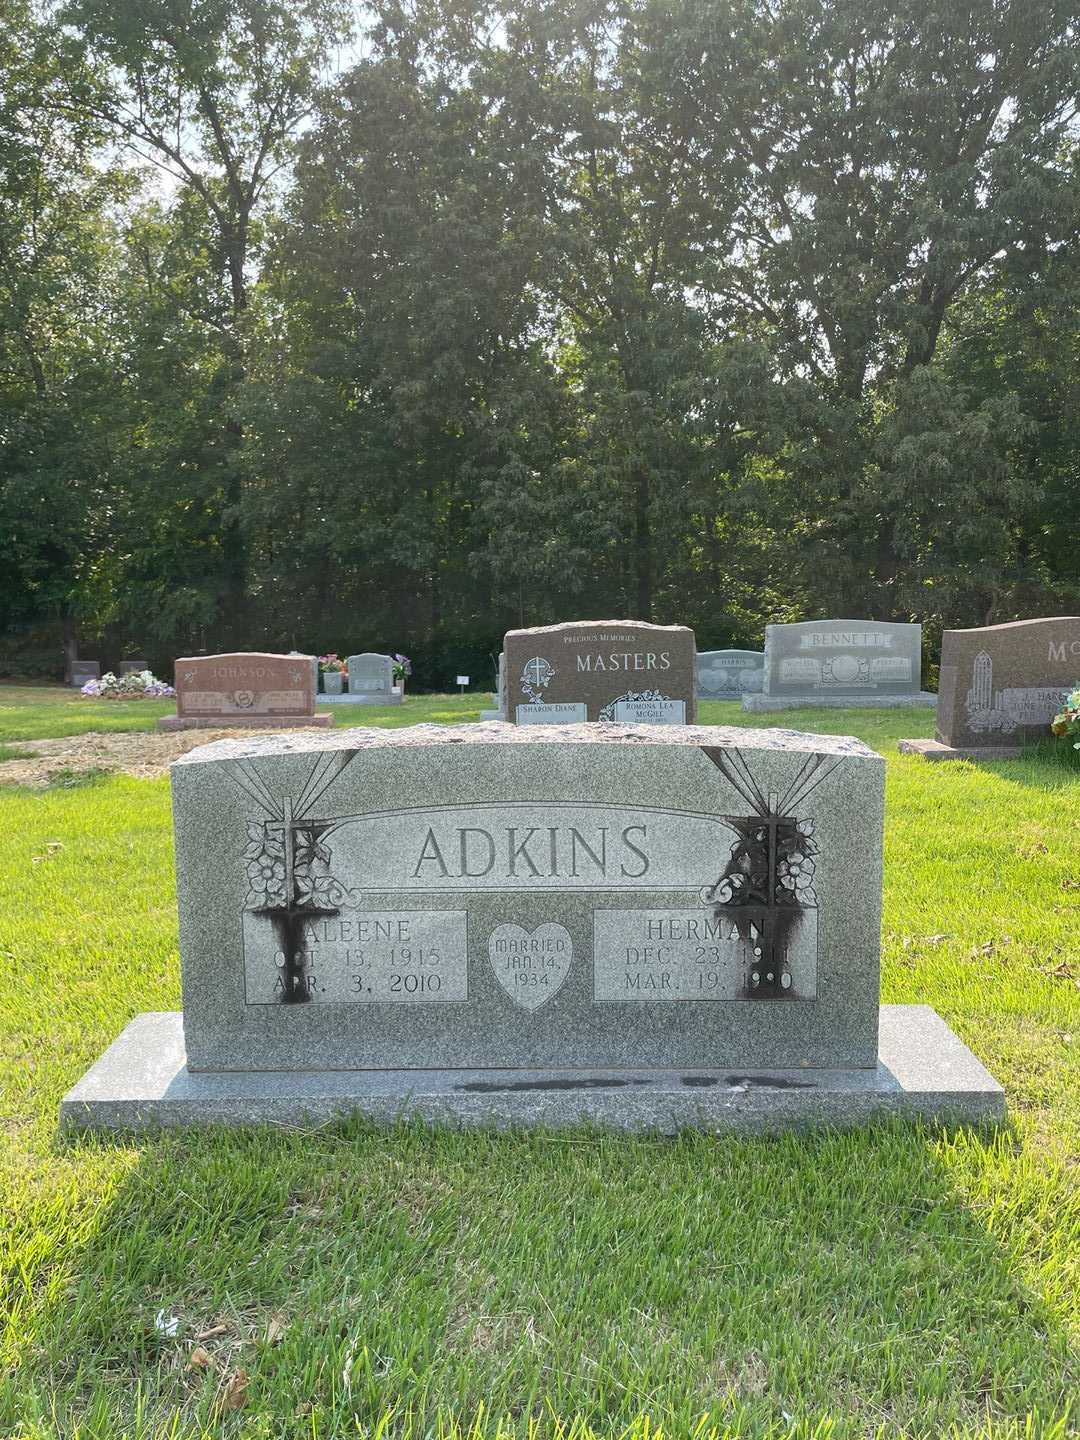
(1044, 765)
(350, 1271)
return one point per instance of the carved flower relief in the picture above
(795, 865)
(313, 886)
(265, 854)
(745, 880)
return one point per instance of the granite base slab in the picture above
(246, 722)
(394, 698)
(491, 715)
(924, 1070)
(935, 750)
(761, 704)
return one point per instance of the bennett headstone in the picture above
(247, 688)
(727, 674)
(841, 662)
(502, 924)
(1000, 685)
(589, 667)
(84, 670)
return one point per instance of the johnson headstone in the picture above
(245, 689)
(621, 670)
(1000, 686)
(640, 925)
(728, 674)
(843, 663)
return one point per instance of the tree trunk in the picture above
(71, 644)
(643, 545)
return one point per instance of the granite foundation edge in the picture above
(937, 750)
(245, 722)
(360, 699)
(764, 704)
(925, 1072)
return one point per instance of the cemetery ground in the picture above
(318, 1283)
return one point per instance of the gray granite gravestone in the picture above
(728, 674)
(133, 667)
(247, 689)
(499, 712)
(371, 681)
(583, 670)
(1001, 685)
(640, 925)
(841, 663)
(84, 670)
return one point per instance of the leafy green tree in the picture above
(892, 159)
(213, 92)
(57, 247)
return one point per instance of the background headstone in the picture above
(841, 662)
(591, 666)
(371, 679)
(84, 670)
(133, 667)
(727, 674)
(247, 688)
(1001, 685)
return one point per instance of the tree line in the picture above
(326, 327)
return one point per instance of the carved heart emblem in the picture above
(530, 967)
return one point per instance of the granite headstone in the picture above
(84, 670)
(371, 680)
(727, 674)
(841, 663)
(133, 667)
(1000, 685)
(638, 924)
(246, 689)
(586, 669)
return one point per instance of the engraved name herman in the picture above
(547, 851)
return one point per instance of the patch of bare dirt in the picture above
(143, 753)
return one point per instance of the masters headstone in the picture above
(621, 670)
(84, 670)
(246, 689)
(643, 926)
(841, 663)
(1000, 686)
(728, 674)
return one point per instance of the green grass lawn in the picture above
(892, 1282)
(36, 712)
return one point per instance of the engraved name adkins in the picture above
(727, 908)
